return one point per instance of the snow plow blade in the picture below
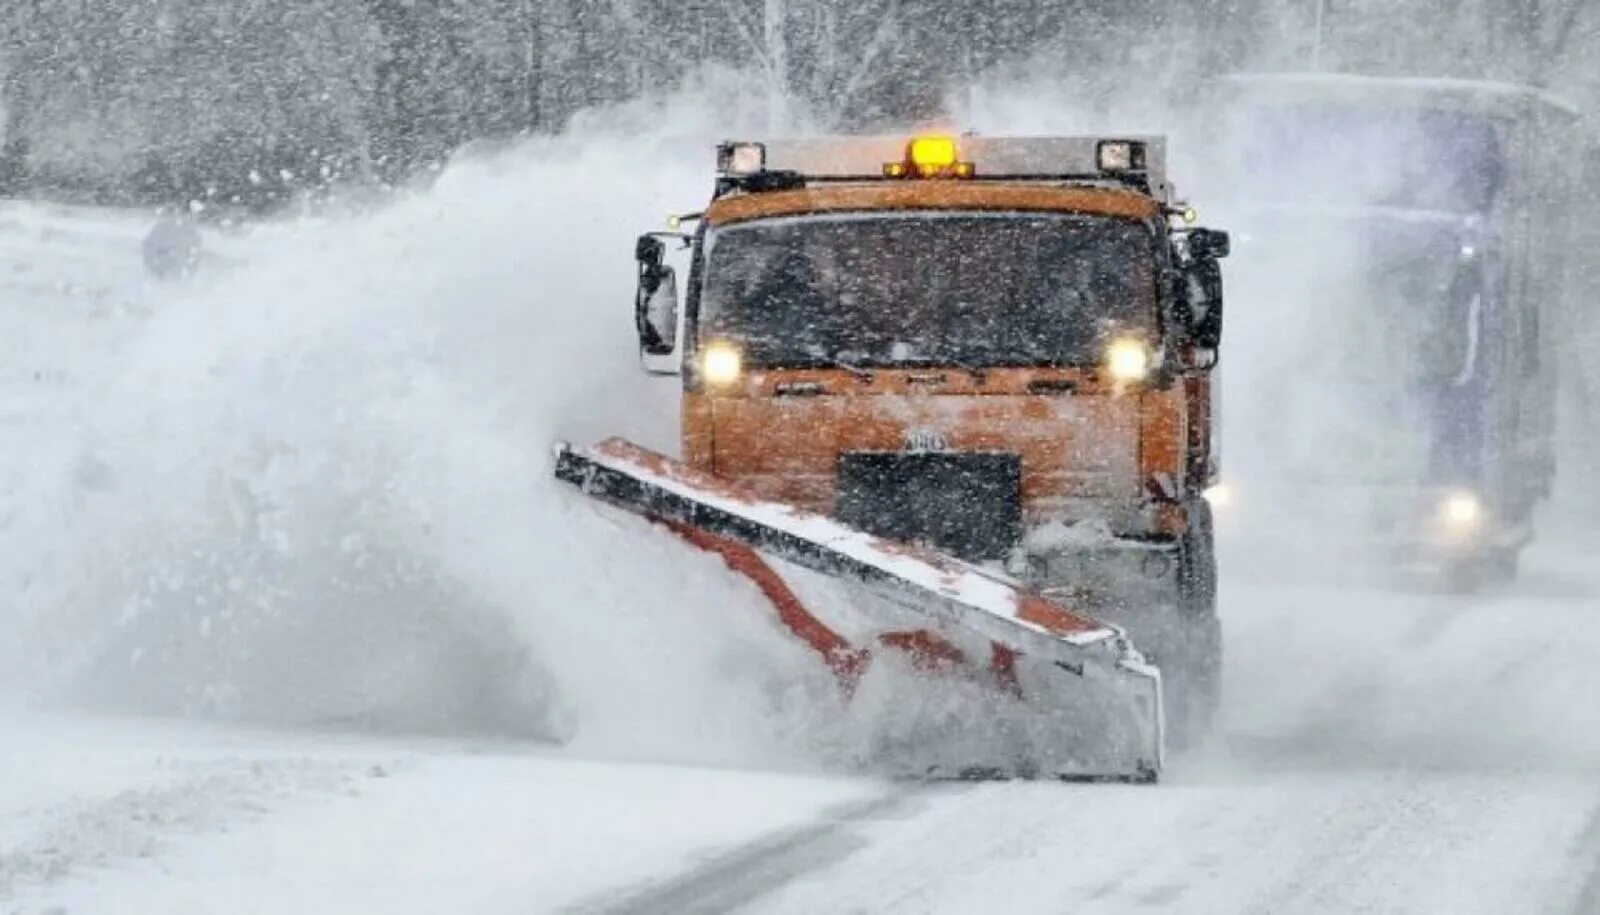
(1092, 704)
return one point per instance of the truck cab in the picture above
(1002, 348)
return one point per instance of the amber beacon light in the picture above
(930, 157)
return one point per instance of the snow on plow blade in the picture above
(1098, 701)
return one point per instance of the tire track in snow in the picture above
(733, 880)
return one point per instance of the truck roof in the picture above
(1060, 160)
(1496, 97)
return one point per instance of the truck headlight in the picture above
(1461, 512)
(721, 364)
(1128, 360)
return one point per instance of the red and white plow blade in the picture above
(1069, 695)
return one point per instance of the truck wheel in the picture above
(1505, 564)
(1191, 665)
(1197, 564)
(1472, 574)
(1461, 578)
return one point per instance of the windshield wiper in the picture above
(861, 373)
(812, 361)
(930, 362)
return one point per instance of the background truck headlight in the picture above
(1220, 495)
(1461, 512)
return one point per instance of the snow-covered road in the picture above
(1441, 755)
(294, 496)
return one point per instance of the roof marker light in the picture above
(741, 158)
(1115, 156)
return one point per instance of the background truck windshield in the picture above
(976, 289)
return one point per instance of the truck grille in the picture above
(968, 504)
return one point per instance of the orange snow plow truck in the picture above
(970, 379)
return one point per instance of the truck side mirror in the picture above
(1202, 300)
(1200, 286)
(655, 303)
(1209, 244)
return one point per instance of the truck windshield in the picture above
(1378, 155)
(921, 289)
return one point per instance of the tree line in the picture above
(251, 102)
